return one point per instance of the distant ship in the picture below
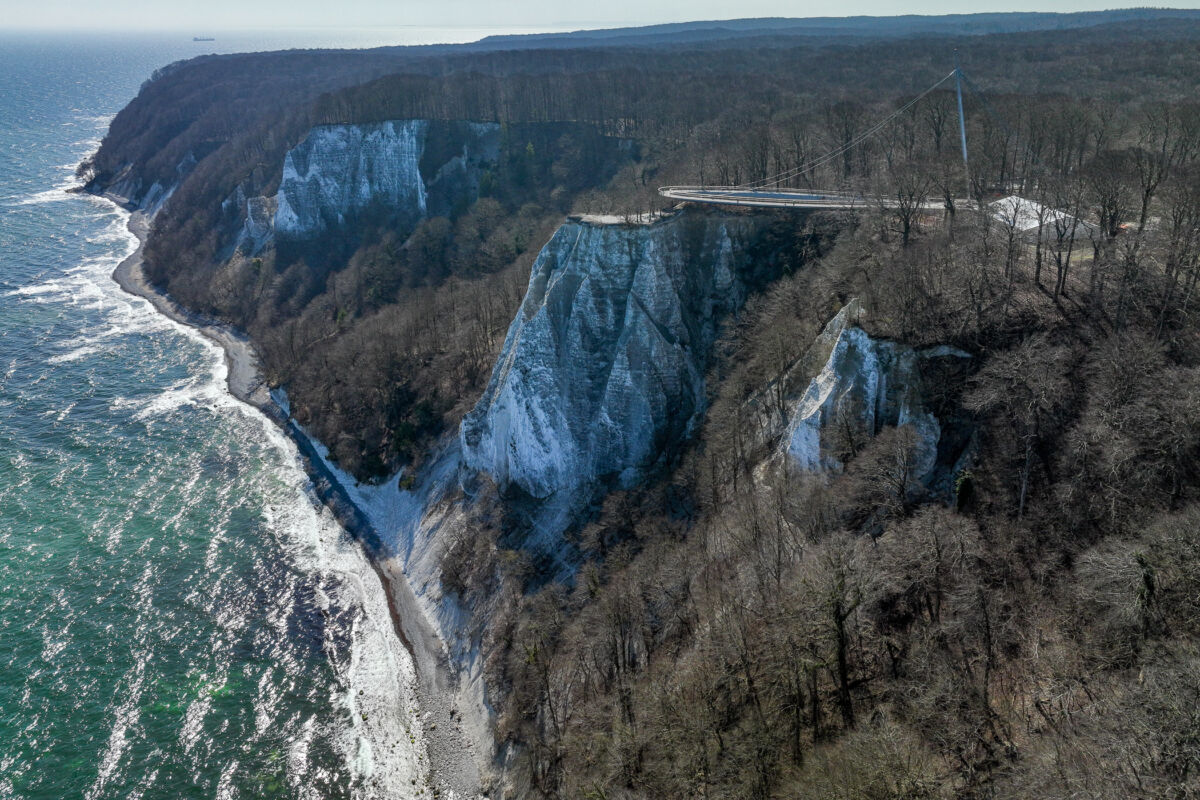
(203, 39)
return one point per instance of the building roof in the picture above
(1022, 213)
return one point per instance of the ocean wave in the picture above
(192, 730)
(88, 283)
(127, 710)
(99, 120)
(206, 390)
(375, 727)
(74, 355)
(383, 745)
(53, 644)
(63, 414)
(113, 234)
(202, 393)
(57, 194)
(52, 287)
(88, 145)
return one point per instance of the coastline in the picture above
(245, 381)
(453, 753)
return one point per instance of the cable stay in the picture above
(987, 107)
(768, 192)
(775, 180)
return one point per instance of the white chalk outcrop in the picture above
(339, 172)
(863, 385)
(340, 169)
(604, 363)
(128, 189)
(257, 215)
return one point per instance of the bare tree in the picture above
(1027, 386)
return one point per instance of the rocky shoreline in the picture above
(455, 749)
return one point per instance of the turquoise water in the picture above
(178, 618)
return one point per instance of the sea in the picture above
(179, 617)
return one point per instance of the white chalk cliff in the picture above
(130, 190)
(863, 385)
(604, 363)
(340, 169)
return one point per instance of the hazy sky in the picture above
(217, 15)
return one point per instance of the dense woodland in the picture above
(735, 628)
(720, 111)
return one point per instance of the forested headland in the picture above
(732, 626)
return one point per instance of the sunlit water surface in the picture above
(178, 618)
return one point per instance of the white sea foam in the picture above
(74, 355)
(55, 287)
(382, 743)
(59, 193)
(114, 233)
(376, 678)
(377, 675)
(127, 712)
(88, 285)
(200, 392)
(55, 195)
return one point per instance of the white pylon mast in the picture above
(962, 123)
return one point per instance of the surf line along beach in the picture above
(453, 748)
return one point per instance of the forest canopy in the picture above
(732, 627)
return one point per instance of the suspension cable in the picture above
(996, 118)
(825, 159)
(987, 107)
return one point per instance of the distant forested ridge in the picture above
(1013, 613)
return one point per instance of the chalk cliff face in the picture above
(130, 190)
(257, 218)
(404, 170)
(340, 169)
(865, 384)
(605, 360)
